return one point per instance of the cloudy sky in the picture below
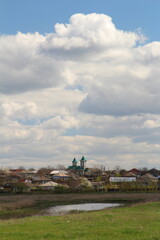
(79, 78)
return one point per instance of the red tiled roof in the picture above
(134, 170)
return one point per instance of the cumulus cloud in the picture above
(88, 36)
(120, 101)
(88, 88)
(110, 64)
(23, 69)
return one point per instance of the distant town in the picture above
(78, 178)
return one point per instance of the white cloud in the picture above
(23, 68)
(86, 89)
(88, 36)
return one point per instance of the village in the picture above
(78, 178)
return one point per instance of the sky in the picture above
(79, 78)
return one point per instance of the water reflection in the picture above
(64, 209)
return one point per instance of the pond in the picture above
(64, 209)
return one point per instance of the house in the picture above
(122, 179)
(26, 174)
(135, 171)
(147, 179)
(59, 175)
(130, 174)
(48, 186)
(154, 172)
(95, 173)
(40, 180)
(13, 177)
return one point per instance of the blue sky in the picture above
(41, 15)
(90, 87)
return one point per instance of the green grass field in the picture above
(140, 222)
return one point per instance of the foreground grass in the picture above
(141, 222)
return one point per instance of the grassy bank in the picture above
(141, 222)
(18, 206)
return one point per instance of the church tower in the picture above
(74, 163)
(83, 162)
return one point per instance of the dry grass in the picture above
(17, 204)
(22, 200)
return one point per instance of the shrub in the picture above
(61, 189)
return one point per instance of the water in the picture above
(64, 209)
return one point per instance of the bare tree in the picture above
(21, 168)
(117, 168)
(60, 167)
(100, 167)
(31, 169)
(144, 169)
(44, 171)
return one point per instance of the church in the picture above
(79, 169)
